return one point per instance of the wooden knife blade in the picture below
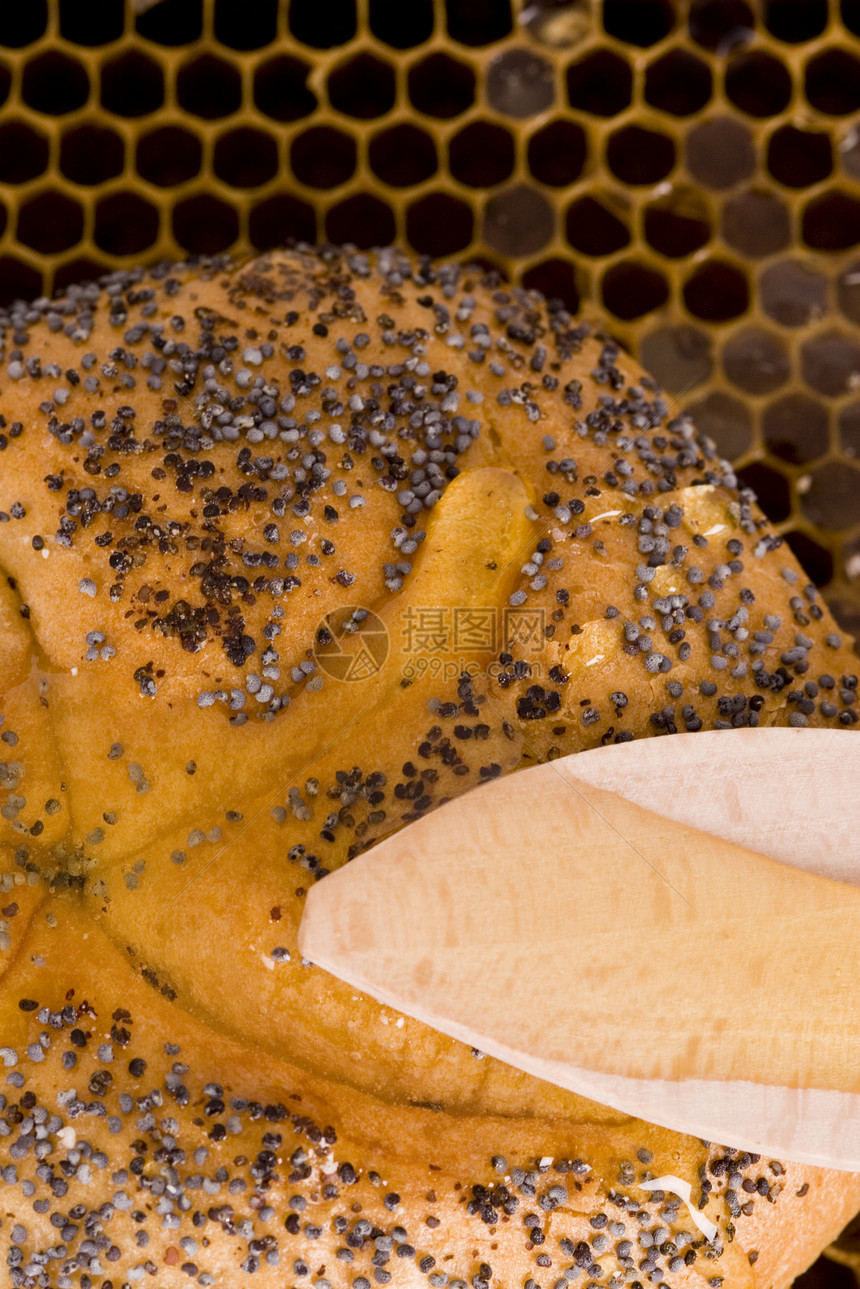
(671, 927)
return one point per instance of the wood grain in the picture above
(628, 956)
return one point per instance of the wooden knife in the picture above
(672, 926)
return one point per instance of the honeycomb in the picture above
(689, 169)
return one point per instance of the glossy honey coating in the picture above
(205, 472)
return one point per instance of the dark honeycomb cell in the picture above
(833, 82)
(849, 430)
(720, 152)
(322, 25)
(799, 158)
(281, 89)
(601, 84)
(640, 156)
(795, 428)
(726, 420)
(556, 279)
(847, 615)
(168, 156)
(847, 290)
(721, 25)
(850, 12)
(638, 22)
(50, 222)
(132, 85)
(478, 22)
(363, 220)
(848, 1240)
(91, 154)
(830, 362)
(833, 496)
(677, 224)
(125, 224)
(5, 82)
(91, 22)
(204, 225)
(793, 293)
(481, 155)
(363, 87)
(402, 156)
(592, 228)
(18, 281)
(54, 83)
(815, 560)
(630, 290)
(771, 488)
(756, 223)
(439, 224)
(679, 83)
(209, 87)
(678, 357)
(758, 84)
(245, 157)
(831, 222)
(441, 86)
(756, 361)
(793, 22)
(172, 22)
(401, 25)
(716, 291)
(240, 25)
(23, 152)
(21, 24)
(520, 84)
(76, 271)
(323, 157)
(518, 221)
(279, 219)
(556, 153)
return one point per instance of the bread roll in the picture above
(205, 470)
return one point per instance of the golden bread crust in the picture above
(199, 469)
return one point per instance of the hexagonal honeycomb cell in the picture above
(23, 152)
(556, 153)
(687, 168)
(439, 224)
(481, 155)
(403, 155)
(281, 88)
(362, 87)
(441, 86)
(323, 157)
(91, 154)
(796, 428)
(132, 84)
(593, 228)
(245, 157)
(168, 155)
(679, 82)
(756, 222)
